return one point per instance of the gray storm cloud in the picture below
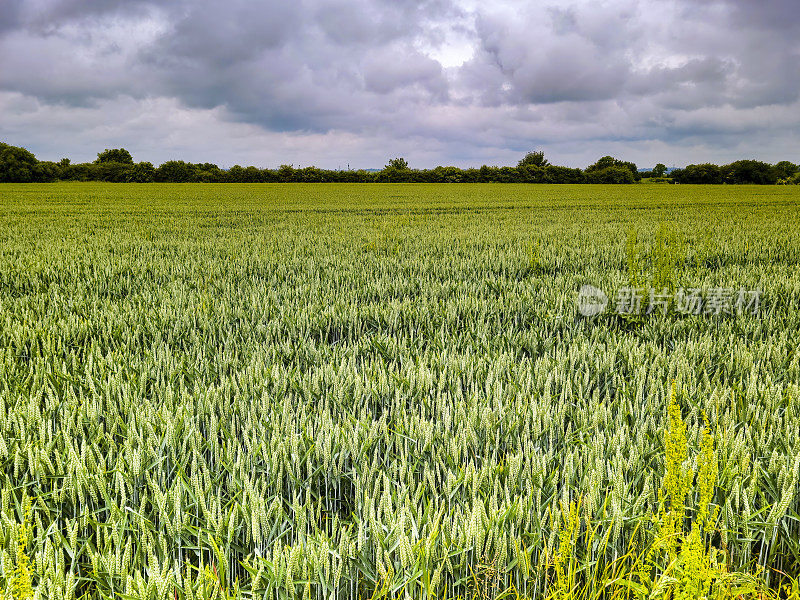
(441, 81)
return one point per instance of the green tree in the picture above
(609, 161)
(602, 163)
(400, 164)
(110, 171)
(659, 170)
(532, 173)
(611, 174)
(749, 171)
(142, 172)
(703, 173)
(286, 173)
(785, 169)
(46, 171)
(396, 170)
(176, 171)
(556, 174)
(509, 175)
(17, 165)
(533, 159)
(116, 155)
(239, 174)
(236, 174)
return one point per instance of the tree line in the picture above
(740, 171)
(117, 165)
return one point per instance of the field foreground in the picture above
(340, 391)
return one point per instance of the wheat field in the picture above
(343, 391)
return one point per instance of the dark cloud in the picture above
(384, 74)
(770, 15)
(220, 39)
(46, 17)
(350, 23)
(447, 79)
(10, 11)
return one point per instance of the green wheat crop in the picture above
(268, 391)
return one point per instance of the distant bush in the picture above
(750, 171)
(143, 172)
(176, 171)
(612, 174)
(609, 162)
(117, 155)
(704, 173)
(556, 174)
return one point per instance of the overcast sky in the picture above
(332, 82)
